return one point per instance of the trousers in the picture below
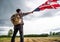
(17, 28)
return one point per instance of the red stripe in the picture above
(45, 7)
(53, 0)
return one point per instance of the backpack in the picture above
(15, 19)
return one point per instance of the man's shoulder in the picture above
(14, 14)
(17, 14)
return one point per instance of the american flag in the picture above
(50, 4)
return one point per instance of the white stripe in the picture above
(44, 6)
(52, 3)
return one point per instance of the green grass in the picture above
(32, 39)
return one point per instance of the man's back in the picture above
(17, 19)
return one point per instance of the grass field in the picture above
(32, 39)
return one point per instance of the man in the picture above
(17, 20)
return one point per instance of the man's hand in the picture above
(32, 11)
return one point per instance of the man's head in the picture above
(18, 10)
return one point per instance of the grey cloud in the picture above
(56, 29)
(5, 22)
(2, 29)
(50, 13)
(7, 8)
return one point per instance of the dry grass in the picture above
(33, 39)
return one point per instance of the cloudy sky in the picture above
(36, 23)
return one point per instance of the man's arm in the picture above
(27, 13)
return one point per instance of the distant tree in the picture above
(58, 33)
(37, 35)
(54, 33)
(10, 32)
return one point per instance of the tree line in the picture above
(10, 33)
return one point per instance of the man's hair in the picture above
(17, 10)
